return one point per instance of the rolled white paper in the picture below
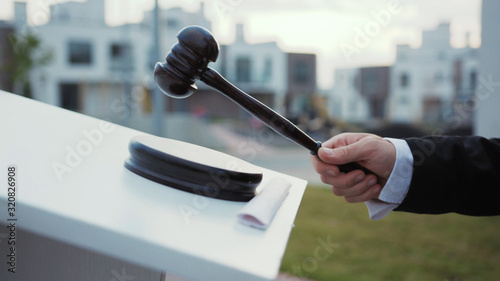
(260, 211)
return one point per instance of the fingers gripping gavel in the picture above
(188, 61)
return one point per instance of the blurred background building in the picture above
(427, 82)
(486, 94)
(425, 85)
(106, 71)
(6, 56)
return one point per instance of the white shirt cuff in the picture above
(397, 185)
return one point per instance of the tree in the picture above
(28, 55)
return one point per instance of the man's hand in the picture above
(371, 151)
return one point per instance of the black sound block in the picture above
(193, 168)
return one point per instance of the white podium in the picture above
(79, 214)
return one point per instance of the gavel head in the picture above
(186, 62)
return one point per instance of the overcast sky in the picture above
(343, 33)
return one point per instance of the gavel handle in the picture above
(271, 118)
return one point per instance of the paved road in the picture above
(290, 159)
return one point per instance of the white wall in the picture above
(487, 117)
(57, 37)
(103, 85)
(430, 71)
(345, 101)
(276, 83)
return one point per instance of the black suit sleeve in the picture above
(454, 174)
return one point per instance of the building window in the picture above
(432, 110)
(121, 56)
(80, 53)
(117, 50)
(243, 70)
(473, 80)
(404, 80)
(301, 72)
(370, 83)
(172, 24)
(69, 96)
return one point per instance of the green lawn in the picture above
(335, 240)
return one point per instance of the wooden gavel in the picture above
(188, 61)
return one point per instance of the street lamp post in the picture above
(159, 101)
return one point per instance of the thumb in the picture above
(354, 152)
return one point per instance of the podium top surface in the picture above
(72, 187)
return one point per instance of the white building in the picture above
(487, 94)
(428, 82)
(171, 21)
(428, 85)
(97, 68)
(92, 62)
(345, 101)
(257, 69)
